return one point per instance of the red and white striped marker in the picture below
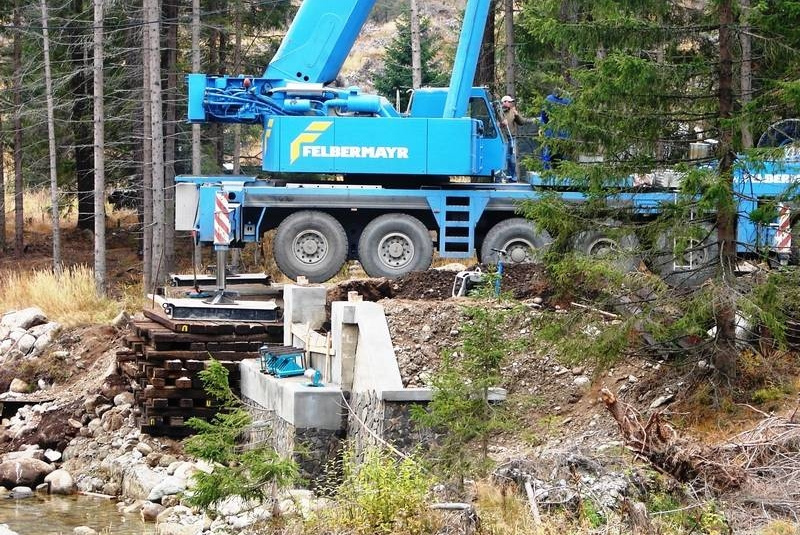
(222, 221)
(783, 234)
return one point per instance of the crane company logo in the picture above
(303, 146)
(267, 133)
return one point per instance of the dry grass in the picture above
(38, 219)
(70, 299)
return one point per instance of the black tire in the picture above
(779, 134)
(698, 264)
(310, 244)
(392, 245)
(621, 250)
(519, 238)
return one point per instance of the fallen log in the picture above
(659, 444)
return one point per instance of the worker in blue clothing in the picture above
(511, 120)
(553, 99)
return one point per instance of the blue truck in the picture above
(388, 188)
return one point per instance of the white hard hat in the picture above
(507, 98)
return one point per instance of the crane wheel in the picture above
(697, 263)
(606, 242)
(311, 244)
(519, 238)
(393, 245)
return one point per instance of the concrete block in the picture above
(299, 405)
(303, 304)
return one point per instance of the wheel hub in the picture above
(310, 247)
(518, 252)
(603, 247)
(396, 250)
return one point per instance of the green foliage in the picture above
(774, 302)
(460, 409)
(247, 473)
(379, 495)
(396, 74)
(591, 514)
(770, 394)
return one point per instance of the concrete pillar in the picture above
(345, 343)
(302, 304)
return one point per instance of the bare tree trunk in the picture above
(147, 161)
(81, 133)
(170, 59)
(416, 48)
(219, 129)
(746, 73)
(197, 167)
(484, 74)
(19, 217)
(156, 118)
(511, 65)
(237, 66)
(99, 155)
(725, 359)
(51, 142)
(2, 189)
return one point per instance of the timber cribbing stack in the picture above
(164, 357)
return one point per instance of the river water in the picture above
(59, 515)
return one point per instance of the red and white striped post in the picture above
(782, 244)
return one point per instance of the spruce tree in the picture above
(396, 73)
(645, 79)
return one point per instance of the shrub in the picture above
(379, 495)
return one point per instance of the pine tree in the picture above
(396, 74)
(645, 79)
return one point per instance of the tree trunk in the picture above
(237, 67)
(81, 133)
(484, 74)
(726, 355)
(99, 155)
(19, 216)
(2, 189)
(51, 142)
(511, 65)
(746, 72)
(147, 161)
(416, 48)
(197, 165)
(157, 131)
(170, 60)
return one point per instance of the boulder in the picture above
(5, 530)
(112, 421)
(16, 333)
(84, 530)
(26, 453)
(6, 345)
(24, 319)
(138, 480)
(169, 486)
(26, 343)
(18, 386)
(93, 401)
(151, 510)
(21, 492)
(123, 398)
(52, 455)
(144, 448)
(60, 482)
(23, 472)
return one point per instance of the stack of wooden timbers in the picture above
(164, 357)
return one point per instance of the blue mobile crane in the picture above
(388, 188)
